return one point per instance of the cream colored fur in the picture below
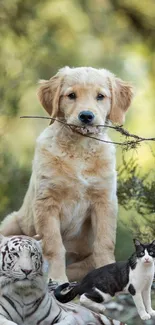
(71, 201)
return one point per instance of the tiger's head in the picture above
(21, 262)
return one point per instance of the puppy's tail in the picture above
(65, 297)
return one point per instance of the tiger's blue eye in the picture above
(100, 97)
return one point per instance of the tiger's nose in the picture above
(86, 117)
(26, 271)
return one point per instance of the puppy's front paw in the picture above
(145, 316)
(59, 278)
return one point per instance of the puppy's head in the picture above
(86, 97)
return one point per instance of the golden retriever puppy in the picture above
(71, 201)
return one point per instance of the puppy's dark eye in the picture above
(100, 96)
(72, 96)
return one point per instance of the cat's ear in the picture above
(153, 243)
(136, 242)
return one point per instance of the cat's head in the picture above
(145, 252)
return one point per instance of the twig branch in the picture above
(129, 144)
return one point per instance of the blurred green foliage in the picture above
(38, 38)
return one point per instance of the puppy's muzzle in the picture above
(86, 117)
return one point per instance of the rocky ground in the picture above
(123, 308)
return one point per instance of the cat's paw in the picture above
(145, 316)
(152, 313)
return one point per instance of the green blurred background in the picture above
(39, 37)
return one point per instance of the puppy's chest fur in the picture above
(82, 167)
(75, 175)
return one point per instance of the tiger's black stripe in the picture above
(56, 319)
(6, 312)
(13, 306)
(47, 314)
(37, 303)
(18, 302)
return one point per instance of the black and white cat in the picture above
(134, 276)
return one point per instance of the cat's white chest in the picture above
(141, 277)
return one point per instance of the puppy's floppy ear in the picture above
(49, 94)
(122, 93)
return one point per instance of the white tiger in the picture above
(24, 295)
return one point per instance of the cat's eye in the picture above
(72, 96)
(151, 253)
(142, 254)
(100, 96)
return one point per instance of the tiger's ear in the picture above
(121, 96)
(1, 238)
(49, 94)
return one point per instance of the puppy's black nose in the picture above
(86, 117)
